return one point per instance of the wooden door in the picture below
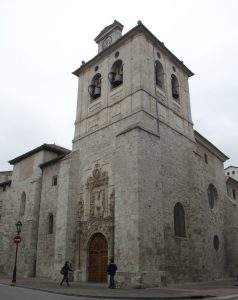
(98, 258)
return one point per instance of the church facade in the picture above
(139, 185)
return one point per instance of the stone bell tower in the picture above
(124, 109)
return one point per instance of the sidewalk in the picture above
(183, 291)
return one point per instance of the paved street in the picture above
(41, 289)
(16, 293)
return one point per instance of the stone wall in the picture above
(46, 239)
(5, 175)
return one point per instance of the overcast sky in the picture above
(43, 41)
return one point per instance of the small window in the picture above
(50, 223)
(54, 180)
(116, 75)
(175, 87)
(4, 188)
(159, 75)
(233, 172)
(234, 194)
(205, 158)
(22, 205)
(212, 195)
(228, 173)
(94, 88)
(216, 242)
(179, 220)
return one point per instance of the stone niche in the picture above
(97, 193)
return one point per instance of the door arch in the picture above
(97, 258)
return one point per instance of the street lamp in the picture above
(17, 240)
(18, 226)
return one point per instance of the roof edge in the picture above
(207, 144)
(50, 147)
(231, 167)
(231, 179)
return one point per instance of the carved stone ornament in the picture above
(97, 184)
(112, 202)
(107, 42)
(80, 208)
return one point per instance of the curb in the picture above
(112, 296)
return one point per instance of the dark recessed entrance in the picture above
(97, 259)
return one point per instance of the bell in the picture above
(175, 95)
(111, 76)
(117, 80)
(97, 92)
(91, 88)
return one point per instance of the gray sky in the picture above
(43, 41)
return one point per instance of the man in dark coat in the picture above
(111, 271)
(65, 272)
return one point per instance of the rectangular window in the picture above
(4, 188)
(234, 194)
(50, 223)
(233, 172)
(205, 158)
(54, 180)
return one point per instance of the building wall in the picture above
(232, 189)
(231, 228)
(232, 172)
(26, 178)
(46, 240)
(62, 219)
(5, 175)
(6, 211)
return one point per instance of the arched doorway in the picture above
(97, 258)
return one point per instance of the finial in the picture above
(83, 62)
(139, 22)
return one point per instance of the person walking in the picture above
(111, 271)
(65, 272)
